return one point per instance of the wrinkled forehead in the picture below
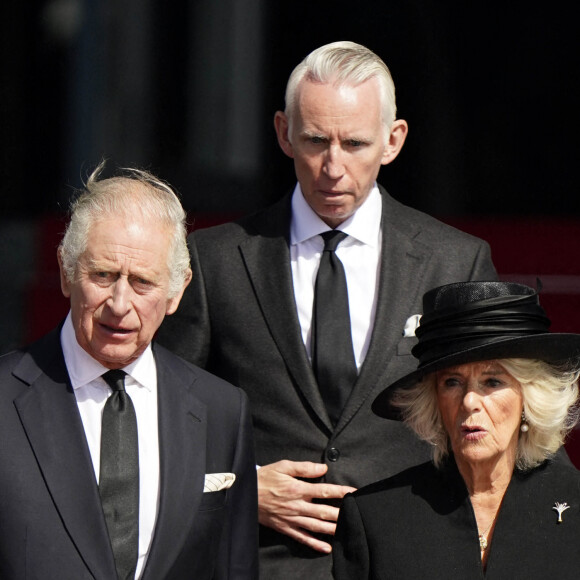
(135, 236)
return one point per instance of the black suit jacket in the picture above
(238, 319)
(420, 524)
(52, 524)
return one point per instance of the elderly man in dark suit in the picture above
(117, 458)
(312, 330)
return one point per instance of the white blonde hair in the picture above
(344, 63)
(136, 192)
(550, 402)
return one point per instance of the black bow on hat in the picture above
(475, 321)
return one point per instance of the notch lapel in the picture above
(401, 272)
(50, 417)
(267, 259)
(182, 456)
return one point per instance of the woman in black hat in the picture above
(495, 394)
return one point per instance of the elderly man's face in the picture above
(120, 294)
(338, 143)
(481, 407)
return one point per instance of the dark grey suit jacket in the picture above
(238, 319)
(420, 524)
(51, 521)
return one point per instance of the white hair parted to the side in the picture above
(344, 63)
(550, 396)
(134, 193)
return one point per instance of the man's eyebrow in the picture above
(354, 138)
(358, 139)
(97, 264)
(307, 133)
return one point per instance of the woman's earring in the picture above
(524, 424)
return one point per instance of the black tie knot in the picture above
(115, 379)
(332, 238)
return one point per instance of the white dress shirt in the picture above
(91, 393)
(360, 255)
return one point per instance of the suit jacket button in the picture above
(333, 454)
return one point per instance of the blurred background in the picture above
(188, 90)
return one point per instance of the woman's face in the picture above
(481, 407)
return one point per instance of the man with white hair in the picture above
(271, 310)
(118, 458)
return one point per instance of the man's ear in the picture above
(64, 283)
(397, 136)
(281, 126)
(173, 303)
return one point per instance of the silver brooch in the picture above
(560, 508)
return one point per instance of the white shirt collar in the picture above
(83, 368)
(364, 225)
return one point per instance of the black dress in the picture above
(420, 524)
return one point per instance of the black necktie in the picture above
(119, 475)
(333, 356)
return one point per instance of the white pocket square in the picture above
(411, 325)
(218, 481)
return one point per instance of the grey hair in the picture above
(135, 192)
(550, 396)
(344, 63)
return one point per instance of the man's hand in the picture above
(285, 503)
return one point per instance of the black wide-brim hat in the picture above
(476, 321)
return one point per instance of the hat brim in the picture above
(552, 348)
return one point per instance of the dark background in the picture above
(188, 89)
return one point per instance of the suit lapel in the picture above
(182, 451)
(402, 268)
(51, 420)
(267, 259)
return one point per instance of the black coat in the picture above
(420, 524)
